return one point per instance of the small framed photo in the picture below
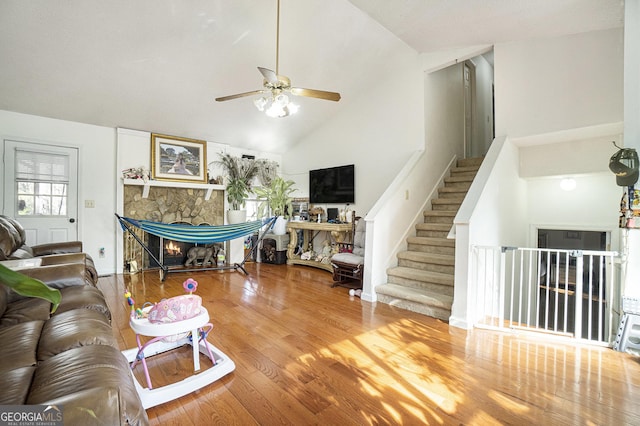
(178, 159)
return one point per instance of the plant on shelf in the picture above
(240, 173)
(277, 200)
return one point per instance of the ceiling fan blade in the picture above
(269, 75)
(312, 93)
(239, 95)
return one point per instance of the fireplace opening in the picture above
(169, 252)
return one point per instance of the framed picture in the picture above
(178, 159)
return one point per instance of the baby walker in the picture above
(172, 323)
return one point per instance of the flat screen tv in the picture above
(332, 185)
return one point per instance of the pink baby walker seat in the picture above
(177, 308)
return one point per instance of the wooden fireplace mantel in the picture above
(168, 184)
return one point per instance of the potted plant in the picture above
(240, 172)
(277, 199)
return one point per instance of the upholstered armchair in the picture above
(348, 264)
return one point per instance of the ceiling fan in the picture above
(275, 101)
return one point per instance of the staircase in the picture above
(423, 280)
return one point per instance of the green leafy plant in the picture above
(240, 173)
(29, 287)
(277, 197)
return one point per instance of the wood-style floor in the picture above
(306, 353)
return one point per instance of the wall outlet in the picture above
(101, 252)
(89, 204)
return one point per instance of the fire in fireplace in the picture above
(169, 252)
(172, 248)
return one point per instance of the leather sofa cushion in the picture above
(15, 385)
(84, 296)
(21, 253)
(20, 236)
(19, 344)
(24, 310)
(97, 370)
(3, 299)
(57, 248)
(59, 276)
(92, 407)
(9, 238)
(72, 329)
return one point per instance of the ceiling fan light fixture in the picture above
(276, 106)
(261, 103)
(282, 100)
(293, 108)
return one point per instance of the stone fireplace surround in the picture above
(167, 204)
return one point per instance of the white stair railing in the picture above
(564, 292)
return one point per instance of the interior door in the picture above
(41, 190)
(468, 86)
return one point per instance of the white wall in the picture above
(377, 132)
(631, 74)
(549, 85)
(444, 116)
(569, 158)
(591, 206)
(97, 174)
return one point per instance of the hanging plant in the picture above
(240, 173)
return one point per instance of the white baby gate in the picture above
(564, 292)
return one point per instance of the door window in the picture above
(42, 183)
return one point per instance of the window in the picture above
(42, 183)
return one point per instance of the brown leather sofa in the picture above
(13, 246)
(69, 358)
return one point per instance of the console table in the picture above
(339, 232)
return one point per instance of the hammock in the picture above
(201, 234)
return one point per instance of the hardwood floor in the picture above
(306, 353)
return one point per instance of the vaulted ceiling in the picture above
(157, 65)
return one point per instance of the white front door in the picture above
(41, 190)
